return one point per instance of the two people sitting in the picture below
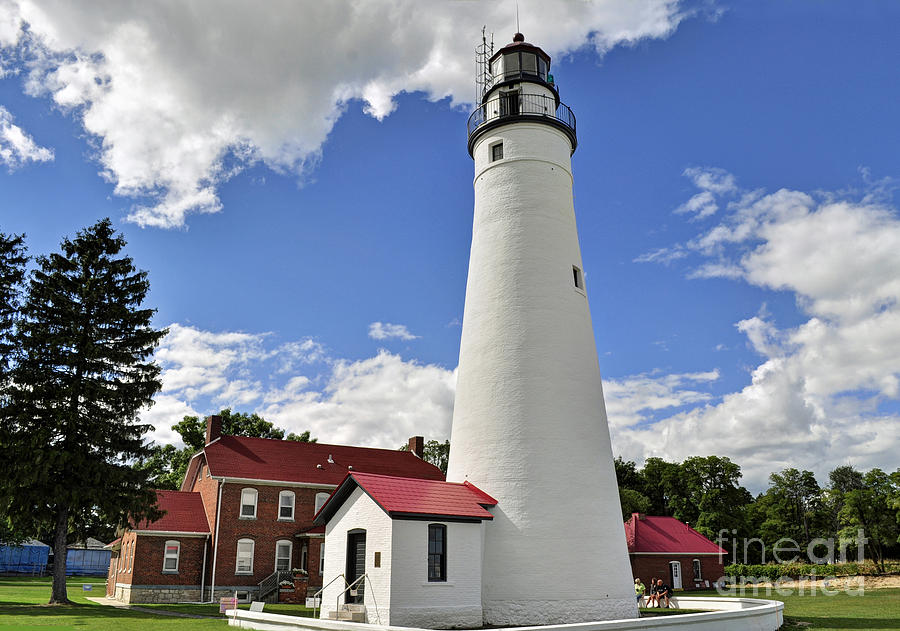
(659, 592)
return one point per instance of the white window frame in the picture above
(697, 566)
(167, 556)
(130, 556)
(290, 556)
(304, 556)
(321, 498)
(291, 495)
(237, 560)
(255, 493)
(322, 559)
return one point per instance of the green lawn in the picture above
(22, 606)
(805, 609)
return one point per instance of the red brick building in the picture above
(243, 520)
(666, 548)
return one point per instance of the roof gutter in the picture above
(212, 582)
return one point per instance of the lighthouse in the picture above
(529, 421)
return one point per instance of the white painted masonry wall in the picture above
(529, 422)
(359, 511)
(455, 603)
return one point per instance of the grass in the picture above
(23, 606)
(807, 609)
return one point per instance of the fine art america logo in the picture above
(784, 571)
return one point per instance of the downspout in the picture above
(203, 569)
(212, 586)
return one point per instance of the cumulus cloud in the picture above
(182, 96)
(386, 330)
(824, 390)
(16, 146)
(379, 401)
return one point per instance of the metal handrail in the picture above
(337, 601)
(272, 582)
(521, 106)
(319, 593)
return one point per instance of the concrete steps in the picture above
(349, 613)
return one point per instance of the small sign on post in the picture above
(313, 603)
(86, 587)
(226, 603)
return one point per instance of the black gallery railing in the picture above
(519, 106)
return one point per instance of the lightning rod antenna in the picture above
(518, 30)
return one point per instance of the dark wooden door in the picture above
(356, 564)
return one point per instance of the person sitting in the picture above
(639, 589)
(652, 597)
(663, 592)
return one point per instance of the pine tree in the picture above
(12, 273)
(84, 373)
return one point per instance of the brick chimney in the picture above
(417, 445)
(639, 516)
(213, 428)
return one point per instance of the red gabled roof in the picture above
(666, 534)
(409, 497)
(183, 513)
(312, 463)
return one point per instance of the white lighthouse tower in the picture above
(529, 423)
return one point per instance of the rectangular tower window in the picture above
(497, 152)
(579, 281)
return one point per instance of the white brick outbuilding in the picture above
(414, 546)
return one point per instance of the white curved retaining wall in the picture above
(734, 614)
(529, 421)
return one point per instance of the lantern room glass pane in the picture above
(542, 68)
(529, 63)
(511, 63)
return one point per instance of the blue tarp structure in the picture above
(87, 562)
(28, 558)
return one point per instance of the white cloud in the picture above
(16, 146)
(630, 400)
(814, 401)
(379, 401)
(386, 330)
(182, 96)
(712, 182)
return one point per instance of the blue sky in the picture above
(297, 184)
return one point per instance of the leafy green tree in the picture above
(793, 507)
(303, 437)
(873, 509)
(661, 485)
(710, 496)
(84, 373)
(633, 502)
(435, 452)
(166, 466)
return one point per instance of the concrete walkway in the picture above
(110, 602)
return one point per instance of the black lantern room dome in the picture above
(520, 61)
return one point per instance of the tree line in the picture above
(706, 493)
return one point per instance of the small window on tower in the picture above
(497, 152)
(579, 281)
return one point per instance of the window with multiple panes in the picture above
(286, 505)
(321, 498)
(283, 551)
(244, 563)
(248, 503)
(497, 152)
(130, 555)
(437, 552)
(304, 557)
(170, 557)
(697, 575)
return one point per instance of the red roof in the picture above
(183, 513)
(312, 463)
(666, 534)
(409, 497)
